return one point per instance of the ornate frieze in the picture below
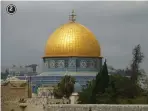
(60, 64)
(72, 63)
(91, 64)
(83, 64)
(46, 63)
(52, 63)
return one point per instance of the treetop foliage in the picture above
(65, 87)
(116, 89)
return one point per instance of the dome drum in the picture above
(72, 47)
(72, 64)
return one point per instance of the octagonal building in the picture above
(72, 49)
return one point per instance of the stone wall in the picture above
(8, 91)
(101, 107)
(10, 106)
(44, 100)
(12, 92)
(78, 107)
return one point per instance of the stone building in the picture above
(14, 89)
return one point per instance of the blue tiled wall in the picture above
(37, 81)
(98, 64)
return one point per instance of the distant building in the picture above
(22, 71)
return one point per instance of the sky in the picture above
(118, 27)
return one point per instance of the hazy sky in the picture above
(118, 27)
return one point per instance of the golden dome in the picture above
(72, 40)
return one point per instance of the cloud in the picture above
(118, 26)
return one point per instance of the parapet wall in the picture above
(76, 107)
(41, 101)
(101, 107)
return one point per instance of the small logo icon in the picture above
(11, 9)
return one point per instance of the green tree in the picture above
(120, 90)
(84, 95)
(104, 78)
(58, 92)
(101, 83)
(5, 74)
(109, 96)
(125, 88)
(65, 87)
(138, 57)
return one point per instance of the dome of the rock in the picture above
(72, 49)
(72, 40)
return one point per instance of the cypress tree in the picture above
(101, 83)
(105, 77)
